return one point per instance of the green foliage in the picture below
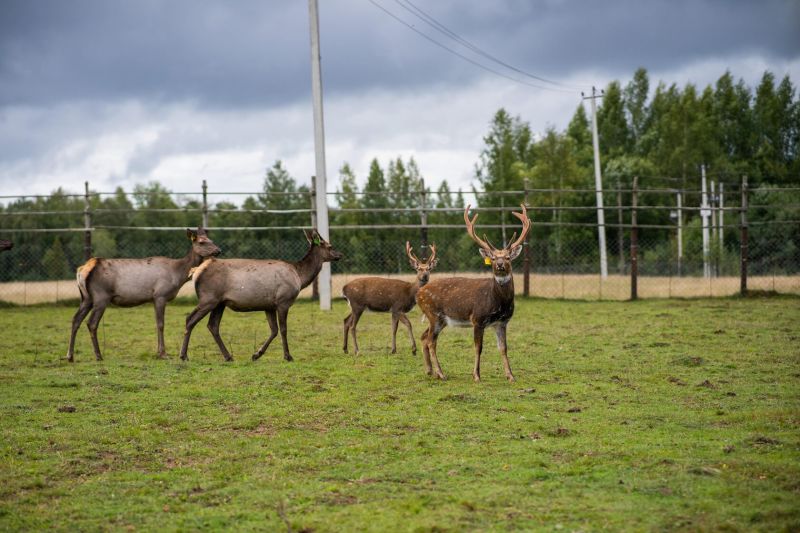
(649, 416)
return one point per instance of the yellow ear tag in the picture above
(487, 261)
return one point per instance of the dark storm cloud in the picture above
(251, 52)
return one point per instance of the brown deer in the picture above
(464, 302)
(132, 282)
(268, 285)
(387, 295)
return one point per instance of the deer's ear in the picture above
(485, 254)
(514, 252)
(433, 263)
(309, 236)
(191, 234)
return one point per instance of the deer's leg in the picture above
(353, 325)
(213, 326)
(160, 304)
(433, 336)
(94, 321)
(80, 314)
(346, 330)
(477, 337)
(395, 322)
(283, 314)
(197, 314)
(426, 353)
(404, 319)
(500, 332)
(273, 327)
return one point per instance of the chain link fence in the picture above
(691, 251)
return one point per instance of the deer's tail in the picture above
(82, 275)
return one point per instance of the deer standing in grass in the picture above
(387, 295)
(480, 303)
(132, 282)
(268, 285)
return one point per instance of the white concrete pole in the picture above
(598, 183)
(319, 149)
(705, 212)
(680, 232)
(721, 223)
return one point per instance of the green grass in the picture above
(655, 415)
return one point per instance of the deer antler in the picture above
(433, 254)
(526, 227)
(410, 253)
(471, 230)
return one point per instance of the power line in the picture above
(431, 21)
(462, 56)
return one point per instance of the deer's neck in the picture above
(309, 266)
(503, 290)
(188, 262)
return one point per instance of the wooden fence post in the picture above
(744, 244)
(526, 265)
(205, 205)
(313, 196)
(87, 224)
(634, 241)
(423, 216)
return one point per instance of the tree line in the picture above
(661, 136)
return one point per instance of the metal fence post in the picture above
(205, 204)
(634, 241)
(423, 215)
(526, 265)
(744, 244)
(313, 196)
(87, 224)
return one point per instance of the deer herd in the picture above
(272, 286)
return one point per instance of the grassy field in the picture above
(655, 415)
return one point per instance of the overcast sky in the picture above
(123, 92)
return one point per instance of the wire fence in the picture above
(660, 242)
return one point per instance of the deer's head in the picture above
(324, 248)
(500, 258)
(423, 268)
(202, 244)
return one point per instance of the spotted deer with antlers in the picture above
(387, 296)
(475, 302)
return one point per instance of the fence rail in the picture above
(666, 241)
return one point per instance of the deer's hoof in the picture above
(476, 378)
(511, 378)
(394, 350)
(414, 350)
(70, 360)
(162, 356)
(184, 357)
(256, 356)
(99, 358)
(288, 358)
(229, 359)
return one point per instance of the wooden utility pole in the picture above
(598, 184)
(319, 150)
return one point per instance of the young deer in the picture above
(473, 302)
(132, 282)
(387, 295)
(268, 285)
